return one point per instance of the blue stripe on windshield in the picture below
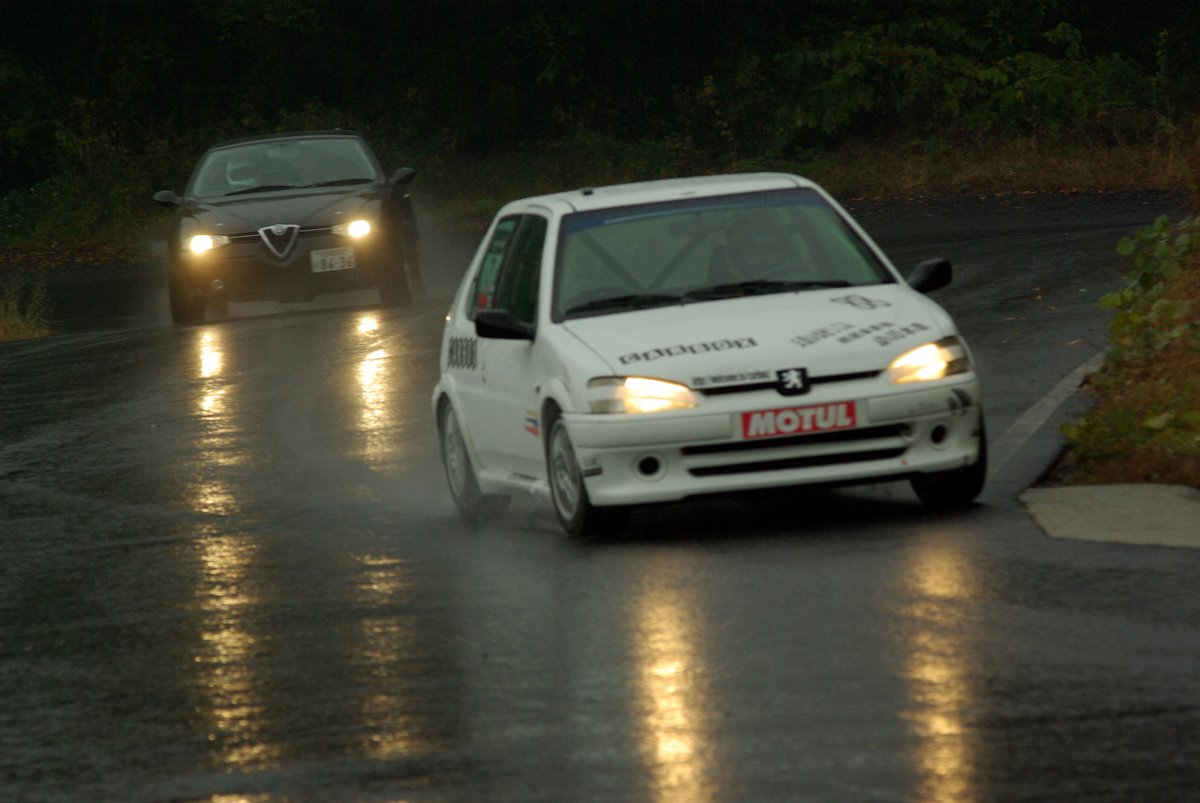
(582, 221)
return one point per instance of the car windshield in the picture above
(283, 164)
(705, 249)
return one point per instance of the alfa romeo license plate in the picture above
(327, 259)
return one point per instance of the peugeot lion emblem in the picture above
(792, 381)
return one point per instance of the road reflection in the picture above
(387, 648)
(675, 742)
(232, 701)
(376, 415)
(208, 493)
(941, 583)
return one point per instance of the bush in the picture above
(24, 310)
(1146, 423)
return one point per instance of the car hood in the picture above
(308, 209)
(738, 341)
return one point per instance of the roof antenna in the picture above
(587, 191)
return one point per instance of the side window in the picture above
(484, 293)
(518, 290)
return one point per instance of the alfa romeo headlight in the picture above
(931, 361)
(354, 229)
(200, 243)
(637, 394)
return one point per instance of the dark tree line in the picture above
(125, 92)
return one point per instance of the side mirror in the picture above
(930, 275)
(166, 198)
(498, 324)
(402, 177)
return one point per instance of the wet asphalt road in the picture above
(229, 572)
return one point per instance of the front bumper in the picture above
(637, 459)
(245, 270)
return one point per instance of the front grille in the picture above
(797, 462)
(812, 380)
(254, 239)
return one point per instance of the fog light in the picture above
(650, 467)
(939, 435)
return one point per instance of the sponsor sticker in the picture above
(461, 352)
(688, 348)
(862, 302)
(745, 377)
(900, 332)
(865, 331)
(824, 333)
(799, 420)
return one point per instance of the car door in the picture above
(462, 358)
(508, 367)
(494, 376)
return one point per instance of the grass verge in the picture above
(1145, 422)
(24, 311)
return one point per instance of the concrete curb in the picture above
(1158, 515)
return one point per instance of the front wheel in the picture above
(401, 283)
(958, 487)
(187, 306)
(471, 503)
(576, 513)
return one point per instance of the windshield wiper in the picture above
(263, 188)
(337, 182)
(756, 287)
(632, 301)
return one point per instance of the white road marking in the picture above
(1013, 440)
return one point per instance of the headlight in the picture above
(637, 394)
(937, 360)
(206, 242)
(354, 229)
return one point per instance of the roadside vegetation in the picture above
(24, 312)
(871, 98)
(1145, 424)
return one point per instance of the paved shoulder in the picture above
(1162, 515)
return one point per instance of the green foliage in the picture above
(26, 126)
(99, 114)
(913, 80)
(1145, 322)
(1150, 394)
(24, 310)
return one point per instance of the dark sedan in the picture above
(287, 217)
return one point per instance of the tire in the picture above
(472, 505)
(396, 288)
(218, 308)
(957, 488)
(187, 306)
(412, 270)
(575, 512)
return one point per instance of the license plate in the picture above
(783, 421)
(327, 259)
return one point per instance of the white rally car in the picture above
(649, 342)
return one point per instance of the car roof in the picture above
(333, 132)
(671, 189)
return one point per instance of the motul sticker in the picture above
(799, 420)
